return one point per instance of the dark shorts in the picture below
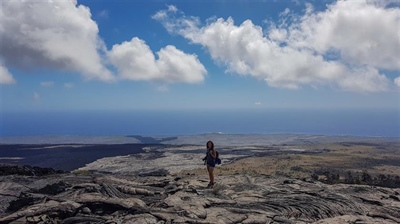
(211, 163)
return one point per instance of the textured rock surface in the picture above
(26, 170)
(173, 159)
(103, 198)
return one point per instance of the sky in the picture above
(181, 55)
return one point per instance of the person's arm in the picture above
(213, 154)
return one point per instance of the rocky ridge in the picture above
(163, 198)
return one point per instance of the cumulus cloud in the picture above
(5, 76)
(162, 14)
(397, 81)
(134, 60)
(359, 32)
(51, 34)
(345, 46)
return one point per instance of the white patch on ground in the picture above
(143, 162)
(171, 159)
(297, 150)
(11, 158)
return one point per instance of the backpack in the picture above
(217, 159)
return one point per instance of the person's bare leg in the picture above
(211, 174)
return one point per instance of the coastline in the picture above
(65, 157)
(176, 154)
(246, 138)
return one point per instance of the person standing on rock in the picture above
(210, 161)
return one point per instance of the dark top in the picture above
(210, 160)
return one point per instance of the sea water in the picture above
(367, 122)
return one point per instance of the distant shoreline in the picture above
(66, 157)
(161, 139)
(72, 152)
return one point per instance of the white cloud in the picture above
(68, 85)
(51, 34)
(47, 84)
(172, 8)
(384, 3)
(257, 103)
(135, 61)
(397, 81)
(344, 46)
(162, 14)
(361, 33)
(5, 76)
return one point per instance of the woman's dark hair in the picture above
(212, 145)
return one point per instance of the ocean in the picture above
(371, 122)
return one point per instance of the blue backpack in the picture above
(217, 159)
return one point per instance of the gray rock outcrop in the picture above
(105, 198)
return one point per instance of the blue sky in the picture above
(163, 55)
